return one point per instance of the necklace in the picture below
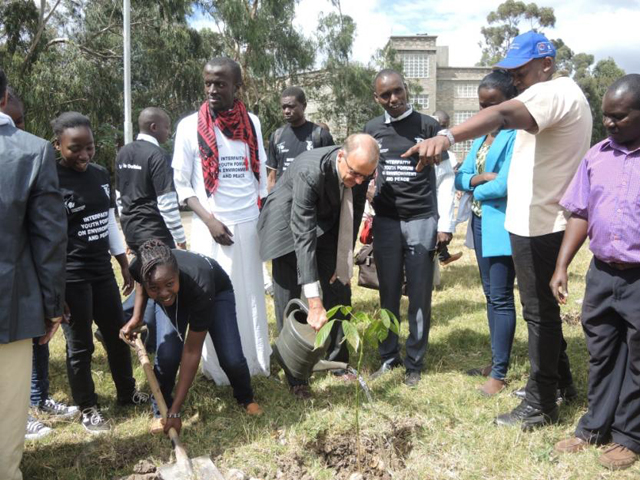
(174, 326)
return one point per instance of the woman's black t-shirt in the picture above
(87, 200)
(201, 278)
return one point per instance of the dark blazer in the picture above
(303, 208)
(33, 235)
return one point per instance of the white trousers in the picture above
(242, 263)
(15, 382)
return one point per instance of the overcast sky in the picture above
(604, 28)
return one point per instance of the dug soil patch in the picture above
(382, 454)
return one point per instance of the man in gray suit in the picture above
(32, 265)
(299, 228)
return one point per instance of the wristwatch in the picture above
(445, 132)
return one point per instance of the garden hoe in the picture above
(201, 468)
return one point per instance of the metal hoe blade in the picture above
(203, 469)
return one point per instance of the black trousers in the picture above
(99, 301)
(611, 323)
(286, 288)
(535, 260)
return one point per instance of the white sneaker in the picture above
(58, 409)
(36, 429)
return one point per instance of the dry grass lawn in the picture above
(440, 430)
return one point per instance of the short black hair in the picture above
(3, 83)
(232, 65)
(296, 92)
(500, 80)
(154, 253)
(69, 120)
(387, 72)
(627, 84)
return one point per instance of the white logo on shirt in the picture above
(309, 144)
(418, 139)
(107, 190)
(382, 150)
(281, 148)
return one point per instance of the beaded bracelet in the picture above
(173, 415)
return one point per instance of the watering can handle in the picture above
(295, 303)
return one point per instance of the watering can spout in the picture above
(324, 365)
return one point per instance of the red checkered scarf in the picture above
(235, 125)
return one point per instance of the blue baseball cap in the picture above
(525, 48)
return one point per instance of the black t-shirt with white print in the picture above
(87, 199)
(292, 142)
(143, 173)
(401, 192)
(201, 278)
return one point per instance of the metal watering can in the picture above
(294, 347)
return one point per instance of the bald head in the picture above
(443, 118)
(627, 85)
(358, 159)
(155, 122)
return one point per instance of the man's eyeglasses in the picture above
(352, 172)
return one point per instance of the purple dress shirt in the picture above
(606, 192)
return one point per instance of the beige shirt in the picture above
(543, 164)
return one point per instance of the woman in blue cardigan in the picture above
(484, 174)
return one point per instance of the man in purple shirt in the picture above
(604, 201)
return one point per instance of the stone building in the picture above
(452, 89)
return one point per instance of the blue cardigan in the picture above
(493, 194)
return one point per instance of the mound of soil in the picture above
(380, 455)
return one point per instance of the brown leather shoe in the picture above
(617, 457)
(451, 259)
(253, 409)
(570, 445)
(156, 427)
(492, 387)
(301, 392)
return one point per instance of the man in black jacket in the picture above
(300, 228)
(32, 264)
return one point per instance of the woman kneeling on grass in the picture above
(194, 292)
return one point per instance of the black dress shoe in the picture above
(386, 367)
(566, 395)
(412, 378)
(527, 417)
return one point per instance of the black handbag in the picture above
(367, 272)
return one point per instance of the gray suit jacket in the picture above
(33, 236)
(304, 206)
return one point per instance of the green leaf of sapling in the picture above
(323, 334)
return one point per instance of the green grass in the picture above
(440, 430)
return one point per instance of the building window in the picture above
(461, 149)
(467, 90)
(415, 65)
(421, 102)
(459, 117)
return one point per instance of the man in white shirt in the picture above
(554, 123)
(219, 172)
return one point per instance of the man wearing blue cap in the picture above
(554, 124)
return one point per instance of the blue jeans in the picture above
(498, 275)
(39, 373)
(226, 340)
(149, 319)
